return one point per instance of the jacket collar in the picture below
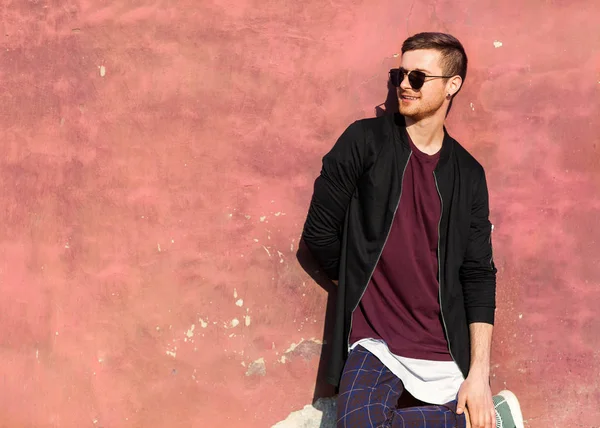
(400, 132)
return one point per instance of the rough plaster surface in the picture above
(322, 414)
(157, 163)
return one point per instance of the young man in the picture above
(399, 219)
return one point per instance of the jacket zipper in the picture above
(380, 252)
(440, 267)
(492, 256)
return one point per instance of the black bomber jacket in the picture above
(354, 202)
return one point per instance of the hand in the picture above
(476, 394)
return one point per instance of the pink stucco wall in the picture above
(157, 162)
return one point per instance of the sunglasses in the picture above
(416, 78)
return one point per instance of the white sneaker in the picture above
(508, 410)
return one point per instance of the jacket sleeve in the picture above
(478, 272)
(333, 189)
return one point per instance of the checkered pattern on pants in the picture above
(369, 394)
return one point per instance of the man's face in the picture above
(424, 102)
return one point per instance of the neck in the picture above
(427, 133)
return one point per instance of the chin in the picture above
(409, 112)
(417, 114)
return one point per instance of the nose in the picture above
(404, 83)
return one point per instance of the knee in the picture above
(346, 414)
(353, 410)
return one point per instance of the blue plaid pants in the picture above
(369, 394)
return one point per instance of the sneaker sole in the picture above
(515, 408)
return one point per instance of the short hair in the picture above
(453, 56)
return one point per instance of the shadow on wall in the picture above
(322, 413)
(310, 266)
(390, 105)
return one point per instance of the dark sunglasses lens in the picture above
(395, 77)
(416, 79)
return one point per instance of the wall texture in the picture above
(156, 164)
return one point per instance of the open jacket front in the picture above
(354, 202)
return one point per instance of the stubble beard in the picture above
(421, 109)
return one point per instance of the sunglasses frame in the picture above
(416, 85)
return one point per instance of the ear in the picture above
(453, 85)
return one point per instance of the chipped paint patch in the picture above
(247, 320)
(307, 349)
(203, 323)
(293, 346)
(190, 332)
(497, 44)
(102, 71)
(263, 218)
(235, 295)
(233, 323)
(257, 368)
(240, 303)
(321, 414)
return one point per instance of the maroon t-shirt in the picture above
(400, 304)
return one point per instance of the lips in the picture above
(408, 98)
